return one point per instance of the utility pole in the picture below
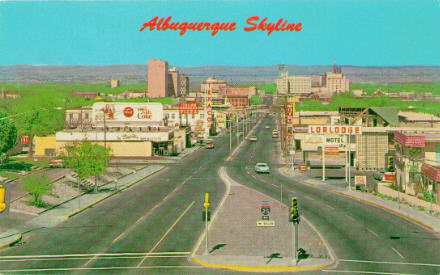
(323, 158)
(236, 125)
(230, 134)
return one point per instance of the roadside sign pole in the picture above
(349, 163)
(230, 135)
(346, 160)
(281, 196)
(296, 243)
(323, 158)
(206, 205)
(236, 125)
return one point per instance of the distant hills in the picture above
(233, 75)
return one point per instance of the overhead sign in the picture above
(127, 112)
(335, 129)
(189, 108)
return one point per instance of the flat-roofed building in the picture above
(157, 78)
(184, 85)
(174, 82)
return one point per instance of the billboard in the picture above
(189, 108)
(127, 112)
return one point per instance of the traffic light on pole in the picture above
(206, 213)
(2, 198)
(294, 212)
(390, 164)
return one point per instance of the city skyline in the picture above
(373, 33)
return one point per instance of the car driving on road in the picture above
(253, 138)
(262, 167)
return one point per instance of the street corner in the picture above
(10, 240)
(252, 233)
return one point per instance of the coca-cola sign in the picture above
(128, 112)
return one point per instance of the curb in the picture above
(387, 209)
(247, 268)
(112, 194)
(19, 237)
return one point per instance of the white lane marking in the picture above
(123, 234)
(350, 217)
(399, 263)
(98, 257)
(101, 268)
(275, 185)
(92, 255)
(372, 232)
(168, 231)
(331, 207)
(397, 252)
(365, 272)
(307, 197)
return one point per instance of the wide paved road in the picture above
(355, 231)
(160, 215)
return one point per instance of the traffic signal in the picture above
(390, 164)
(204, 215)
(2, 198)
(294, 212)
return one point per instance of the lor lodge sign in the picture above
(335, 129)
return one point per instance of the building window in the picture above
(374, 122)
(71, 116)
(193, 116)
(172, 116)
(202, 116)
(86, 116)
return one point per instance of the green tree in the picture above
(256, 100)
(37, 115)
(87, 159)
(36, 186)
(8, 136)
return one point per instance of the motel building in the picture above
(417, 162)
(130, 130)
(369, 150)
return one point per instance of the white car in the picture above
(267, 127)
(253, 138)
(262, 167)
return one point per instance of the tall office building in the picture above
(157, 78)
(184, 85)
(173, 82)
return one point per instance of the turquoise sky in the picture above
(364, 33)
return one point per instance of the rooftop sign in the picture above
(335, 129)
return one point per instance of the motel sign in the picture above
(335, 129)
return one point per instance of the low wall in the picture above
(405, 197)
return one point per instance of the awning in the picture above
(431, 172)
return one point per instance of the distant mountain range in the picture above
(233, 75)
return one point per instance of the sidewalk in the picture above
(236, 242)
(418, 217)
(70, 208)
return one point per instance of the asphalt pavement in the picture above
(364, 238)
(152, 227)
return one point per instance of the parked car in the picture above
(267, 127)
(253, 138)
(262, 167)
(56, 163)
(209, 145)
